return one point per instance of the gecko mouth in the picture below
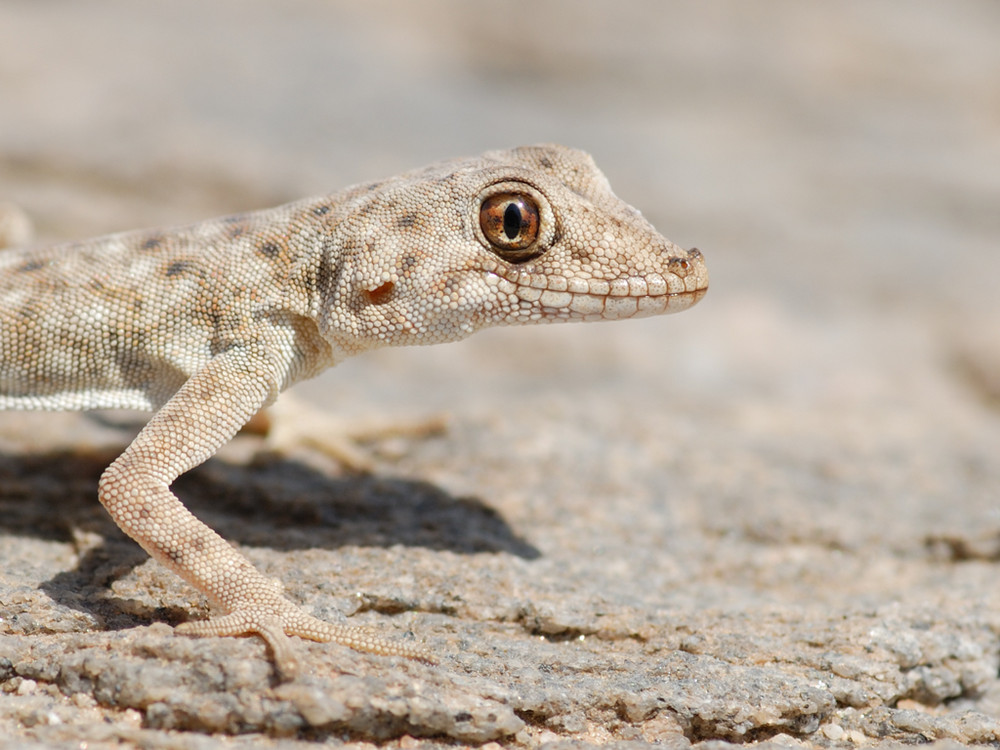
(552, 297)
(585, 306)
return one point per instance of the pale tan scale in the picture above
(206, 324)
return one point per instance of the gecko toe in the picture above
(276, 627)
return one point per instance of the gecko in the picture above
(204, 325)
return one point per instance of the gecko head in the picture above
(529, 235)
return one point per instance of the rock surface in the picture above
(774, 518)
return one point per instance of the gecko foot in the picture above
(275, 627)
(291, 423)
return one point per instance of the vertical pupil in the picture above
(512, 221)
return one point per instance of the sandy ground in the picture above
(774, 518)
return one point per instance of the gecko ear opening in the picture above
(381, 294)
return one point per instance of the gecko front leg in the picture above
(203, 415)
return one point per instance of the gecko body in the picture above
(204, 325)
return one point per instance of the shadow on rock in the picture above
(276, 503)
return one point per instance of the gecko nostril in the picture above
(381, 294)
(679, 267)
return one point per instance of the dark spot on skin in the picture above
(463, 716)
(30, 311)
(236, 231)
(269, 250)
(177, 268)
(151, 244)
(408, 262)
(324, 274)
(175, 556)
(321, 210)
(545, 162)
(579, 252)
(31, 265)
(406, 221)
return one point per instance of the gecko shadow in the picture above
(276, 503)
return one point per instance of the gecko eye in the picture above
(510, 223)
